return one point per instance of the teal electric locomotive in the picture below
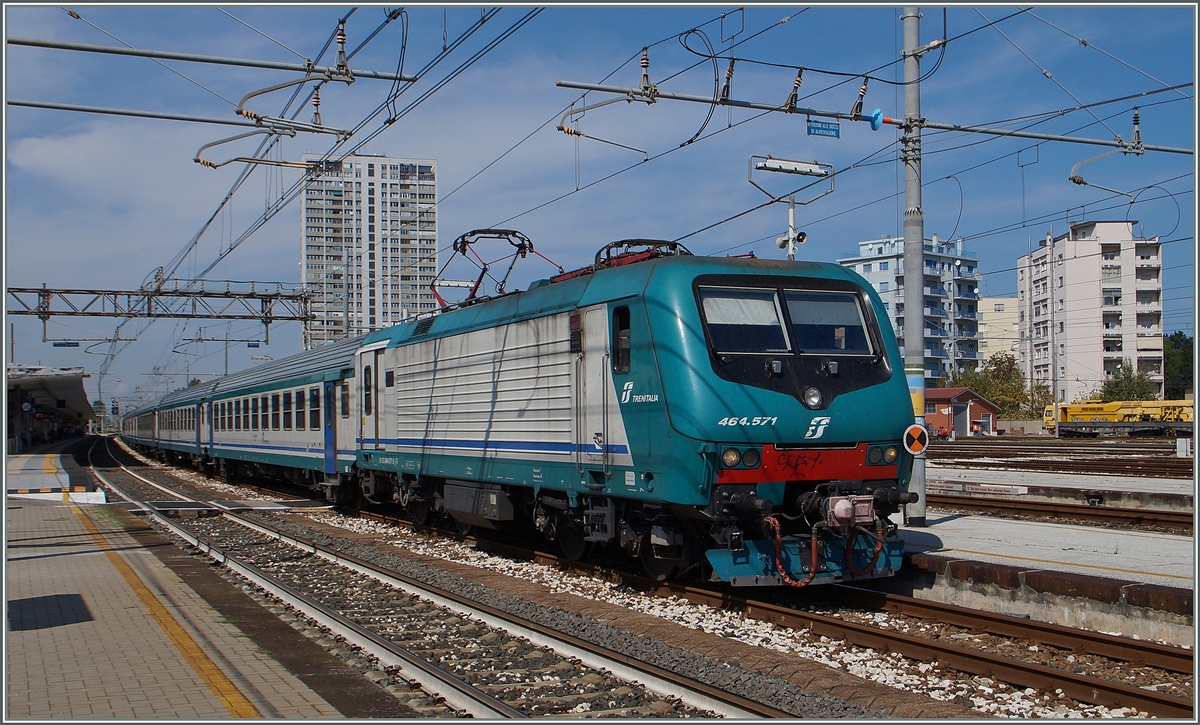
(733, 416)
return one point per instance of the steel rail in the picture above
(1078, 686)
(1016, 672)
(1135, 651)
(692, 692)
(457, 694)
(1078, 512)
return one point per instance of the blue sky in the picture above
(99, 201)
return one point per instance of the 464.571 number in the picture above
(757, 420)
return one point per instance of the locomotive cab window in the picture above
(743, 320)
(621, 340)
(827, 323)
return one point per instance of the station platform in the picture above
(1135, 556)
(49, 471)
(109, 620)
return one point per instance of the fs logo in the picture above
(626, 391)
(817, 427)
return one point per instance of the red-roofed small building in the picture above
(960, 410)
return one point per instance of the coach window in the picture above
(621, 339)
(275, 411)
(389, 378)
(237, 415)
(367, 385)
(314, 409)
(299, 410)
(345, 400)
(254, 414)
(245, 414)
(287, 410)
(265, 406)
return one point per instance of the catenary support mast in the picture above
(914, 249)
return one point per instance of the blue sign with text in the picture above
(824, 128)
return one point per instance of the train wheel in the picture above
(572, 544)
(420, 512)
(657, 569)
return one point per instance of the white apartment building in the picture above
(1088, 299)
(369, 249)
(999, 327)
(949, 298)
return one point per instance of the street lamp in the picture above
(802, 168)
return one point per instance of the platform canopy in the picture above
(50, 392)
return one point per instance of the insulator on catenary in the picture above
(790, 104)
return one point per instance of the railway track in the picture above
(1107, 458)
(1104, 515)
(1012, 669)
(480, 661)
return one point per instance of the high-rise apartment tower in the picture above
(1088, 300)
(948, 295)
(369, 249)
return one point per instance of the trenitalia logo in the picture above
(817, 427)
(626, 391)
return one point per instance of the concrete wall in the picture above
(1021, 427)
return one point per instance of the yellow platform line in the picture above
(220, 685)
(1050, 561)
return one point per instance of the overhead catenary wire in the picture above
(184, 76)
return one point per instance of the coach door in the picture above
(330, 417)
(369, 363)
(591, 397)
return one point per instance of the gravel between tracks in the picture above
(983, 695)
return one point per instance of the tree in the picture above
(1128, 383)
(1177, 366)
(999, 380)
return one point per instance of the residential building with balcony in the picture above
(999, 327)
(369, 243)
(1087, 300)
(949, 298)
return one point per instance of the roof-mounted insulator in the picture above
(862, 93)
(317, 106)
(728, 81)
(790, 103)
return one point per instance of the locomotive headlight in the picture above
(751, 457)
(812, 397)
(890, 455)
(731, 457)
(874, 455)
